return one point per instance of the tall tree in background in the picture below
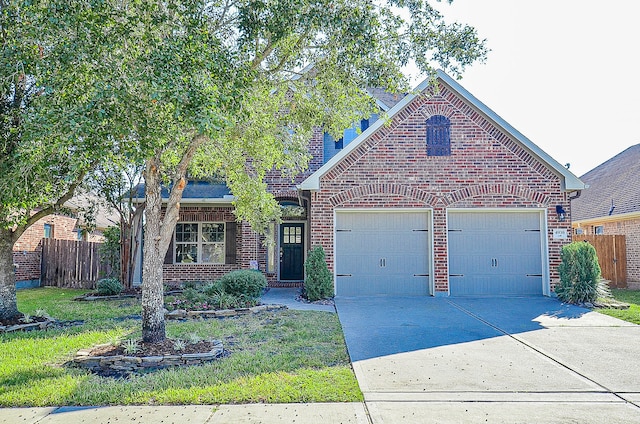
(224, 87)
(41, 164)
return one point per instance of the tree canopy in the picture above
(226, 87)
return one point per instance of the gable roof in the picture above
(569, 180)
(617, 180)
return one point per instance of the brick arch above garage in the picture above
(530, 196)
(385, 190)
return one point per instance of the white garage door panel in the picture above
(495, 253)
(382, 253)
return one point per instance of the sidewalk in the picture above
(312, 413)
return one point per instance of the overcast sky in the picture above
(565, 73)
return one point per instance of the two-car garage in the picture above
(490, 252)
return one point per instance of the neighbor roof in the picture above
(570, 181)
(616, 180)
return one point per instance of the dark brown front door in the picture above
(291, 251)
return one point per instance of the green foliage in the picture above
(318, 282)
(110, 251)
(109, 287)
(131, 346)
(246, 283)
(579, 273)
(238, 289)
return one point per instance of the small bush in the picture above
(579, 273)
(318, 283)
(245, 283)
(109, 287)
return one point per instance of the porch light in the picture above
(562, 214)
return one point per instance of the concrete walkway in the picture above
(434, 360)
(287, 296)
(491, 360)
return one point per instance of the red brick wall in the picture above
(27, 250)
(285, 187)
(248, 248)
(485, 169)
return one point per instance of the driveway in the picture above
(491, 360)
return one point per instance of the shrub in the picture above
(579, 273)
(318, 283)
(109, 287)
(245, 283)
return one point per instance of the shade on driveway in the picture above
(428, 354)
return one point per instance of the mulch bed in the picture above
(18, 320)
(155, 349)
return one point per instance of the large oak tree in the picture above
(235, 88)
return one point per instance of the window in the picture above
(438, 136)
(598, 230)
(48, 231)
(332, 147)
(272, 245)
(79, 234)
(200, 242)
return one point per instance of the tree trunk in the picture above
(125, 253)
(153, 325)
(8, 301)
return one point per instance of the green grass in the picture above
(280, 356)
(632, 297)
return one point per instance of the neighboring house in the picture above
(439, 197)
(27, 251)
(611, 205)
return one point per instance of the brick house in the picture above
(439, 196)
(611, 205)
(27, 251)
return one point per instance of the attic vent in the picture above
(438, 136)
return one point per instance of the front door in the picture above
(291, 251)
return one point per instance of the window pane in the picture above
(213, 253)
(186, 253)
(213, 232)
(186, 233)
(271, 247)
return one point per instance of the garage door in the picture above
(382, 253)
(495, 253)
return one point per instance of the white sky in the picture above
(565, 73)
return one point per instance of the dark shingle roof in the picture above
(194, 190)
(617, 180)
(388, 99)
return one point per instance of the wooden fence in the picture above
(72, 264)
(612, 257)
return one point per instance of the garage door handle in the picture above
(343, 275)
(534, 275)
(383, 262)
(456, 275)
(420, 275)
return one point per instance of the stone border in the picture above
(130, 364)
(222, 313)
(42, 325)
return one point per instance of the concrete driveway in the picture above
(505, 360)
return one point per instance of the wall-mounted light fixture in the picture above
(562, 214)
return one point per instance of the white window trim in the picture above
(200, 244)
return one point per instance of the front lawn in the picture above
(276, 357)
(631, 297)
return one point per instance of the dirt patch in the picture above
(167, 347)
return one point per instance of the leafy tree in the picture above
(41, 162)
(224, 87)
(117, 184)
